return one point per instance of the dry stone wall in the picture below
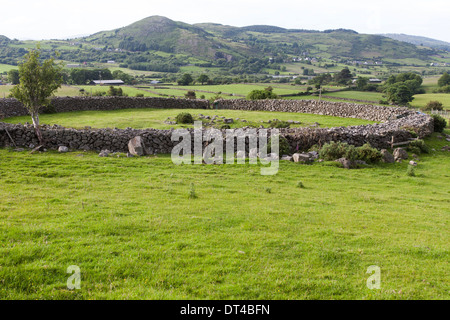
(396, 122)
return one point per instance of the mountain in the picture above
(419, 41)
(210, 41)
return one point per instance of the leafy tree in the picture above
(185, 80)
(344, 76)
(114, 91)
(203, 78)
(125, 77)
(399, 93)
(13, 76)
(267, 93)
(444, 80)
(38, 82)
(361, 83)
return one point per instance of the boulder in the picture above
(253, 154)
(63, 149)
(286, 158)
(136, 146)
(387, 157)
(104, 153)
(301, 157)
(347, 164)
(400, 154)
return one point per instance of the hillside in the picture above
(207, 39)
(419, 41)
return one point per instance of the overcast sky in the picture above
(55, 19)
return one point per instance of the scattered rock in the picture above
(413, 163)
(346, 163)
(286, 158)
(228, 120)
(387, 156)
(400, 154)
(104, 153)
(240, 154)
(63, 149)
(301, 157)
(445, 148)
(136, 146)
(253, 154)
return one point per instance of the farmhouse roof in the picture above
(117, 82)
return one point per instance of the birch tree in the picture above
(38, 82)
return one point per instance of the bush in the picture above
(368, 154)
(184, 118)
(433, 105)
(190, 95)
(439, 123)
(383, 101)
(411, 171)
(139, 95)
(418, 145)
(283, 148)
(335, 150)
(279, 124)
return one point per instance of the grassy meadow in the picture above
(154, 118)
(135, 232)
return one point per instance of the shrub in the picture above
(279, 124)
(192, 194)
(410, 171)
(283, 148)
(433, 105)
(418, 145)
(184, 118)
(335, 150)
(439, 123)
(300, 185)
(190, 95)
(368, 154)
(383, 101)
(225, 126)
(114, 91)
(139, 95)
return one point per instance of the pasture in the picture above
(130, 226)
(154, 118)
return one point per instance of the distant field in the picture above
(359, 95)
(127, 90)
(154, 118)
(62, 92)
(6, 67)
(420, 100)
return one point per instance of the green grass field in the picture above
(154, 118)
(358, 95)
(421, 100)
(130, 226)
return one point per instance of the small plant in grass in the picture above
(279, 124)
(418, 146)
(269, 190)
(439, 123)
(410, 172)
(184, 118)
(300, 185)
(192, 194)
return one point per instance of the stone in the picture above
(387, 157)
(228, 121)
(347, 164)
(400, 154)
(63, 149)
(104, 153)
(253, 153)
(136, 146)
(240, 154)
(286, 158)
(301, 157)
(413, 163)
